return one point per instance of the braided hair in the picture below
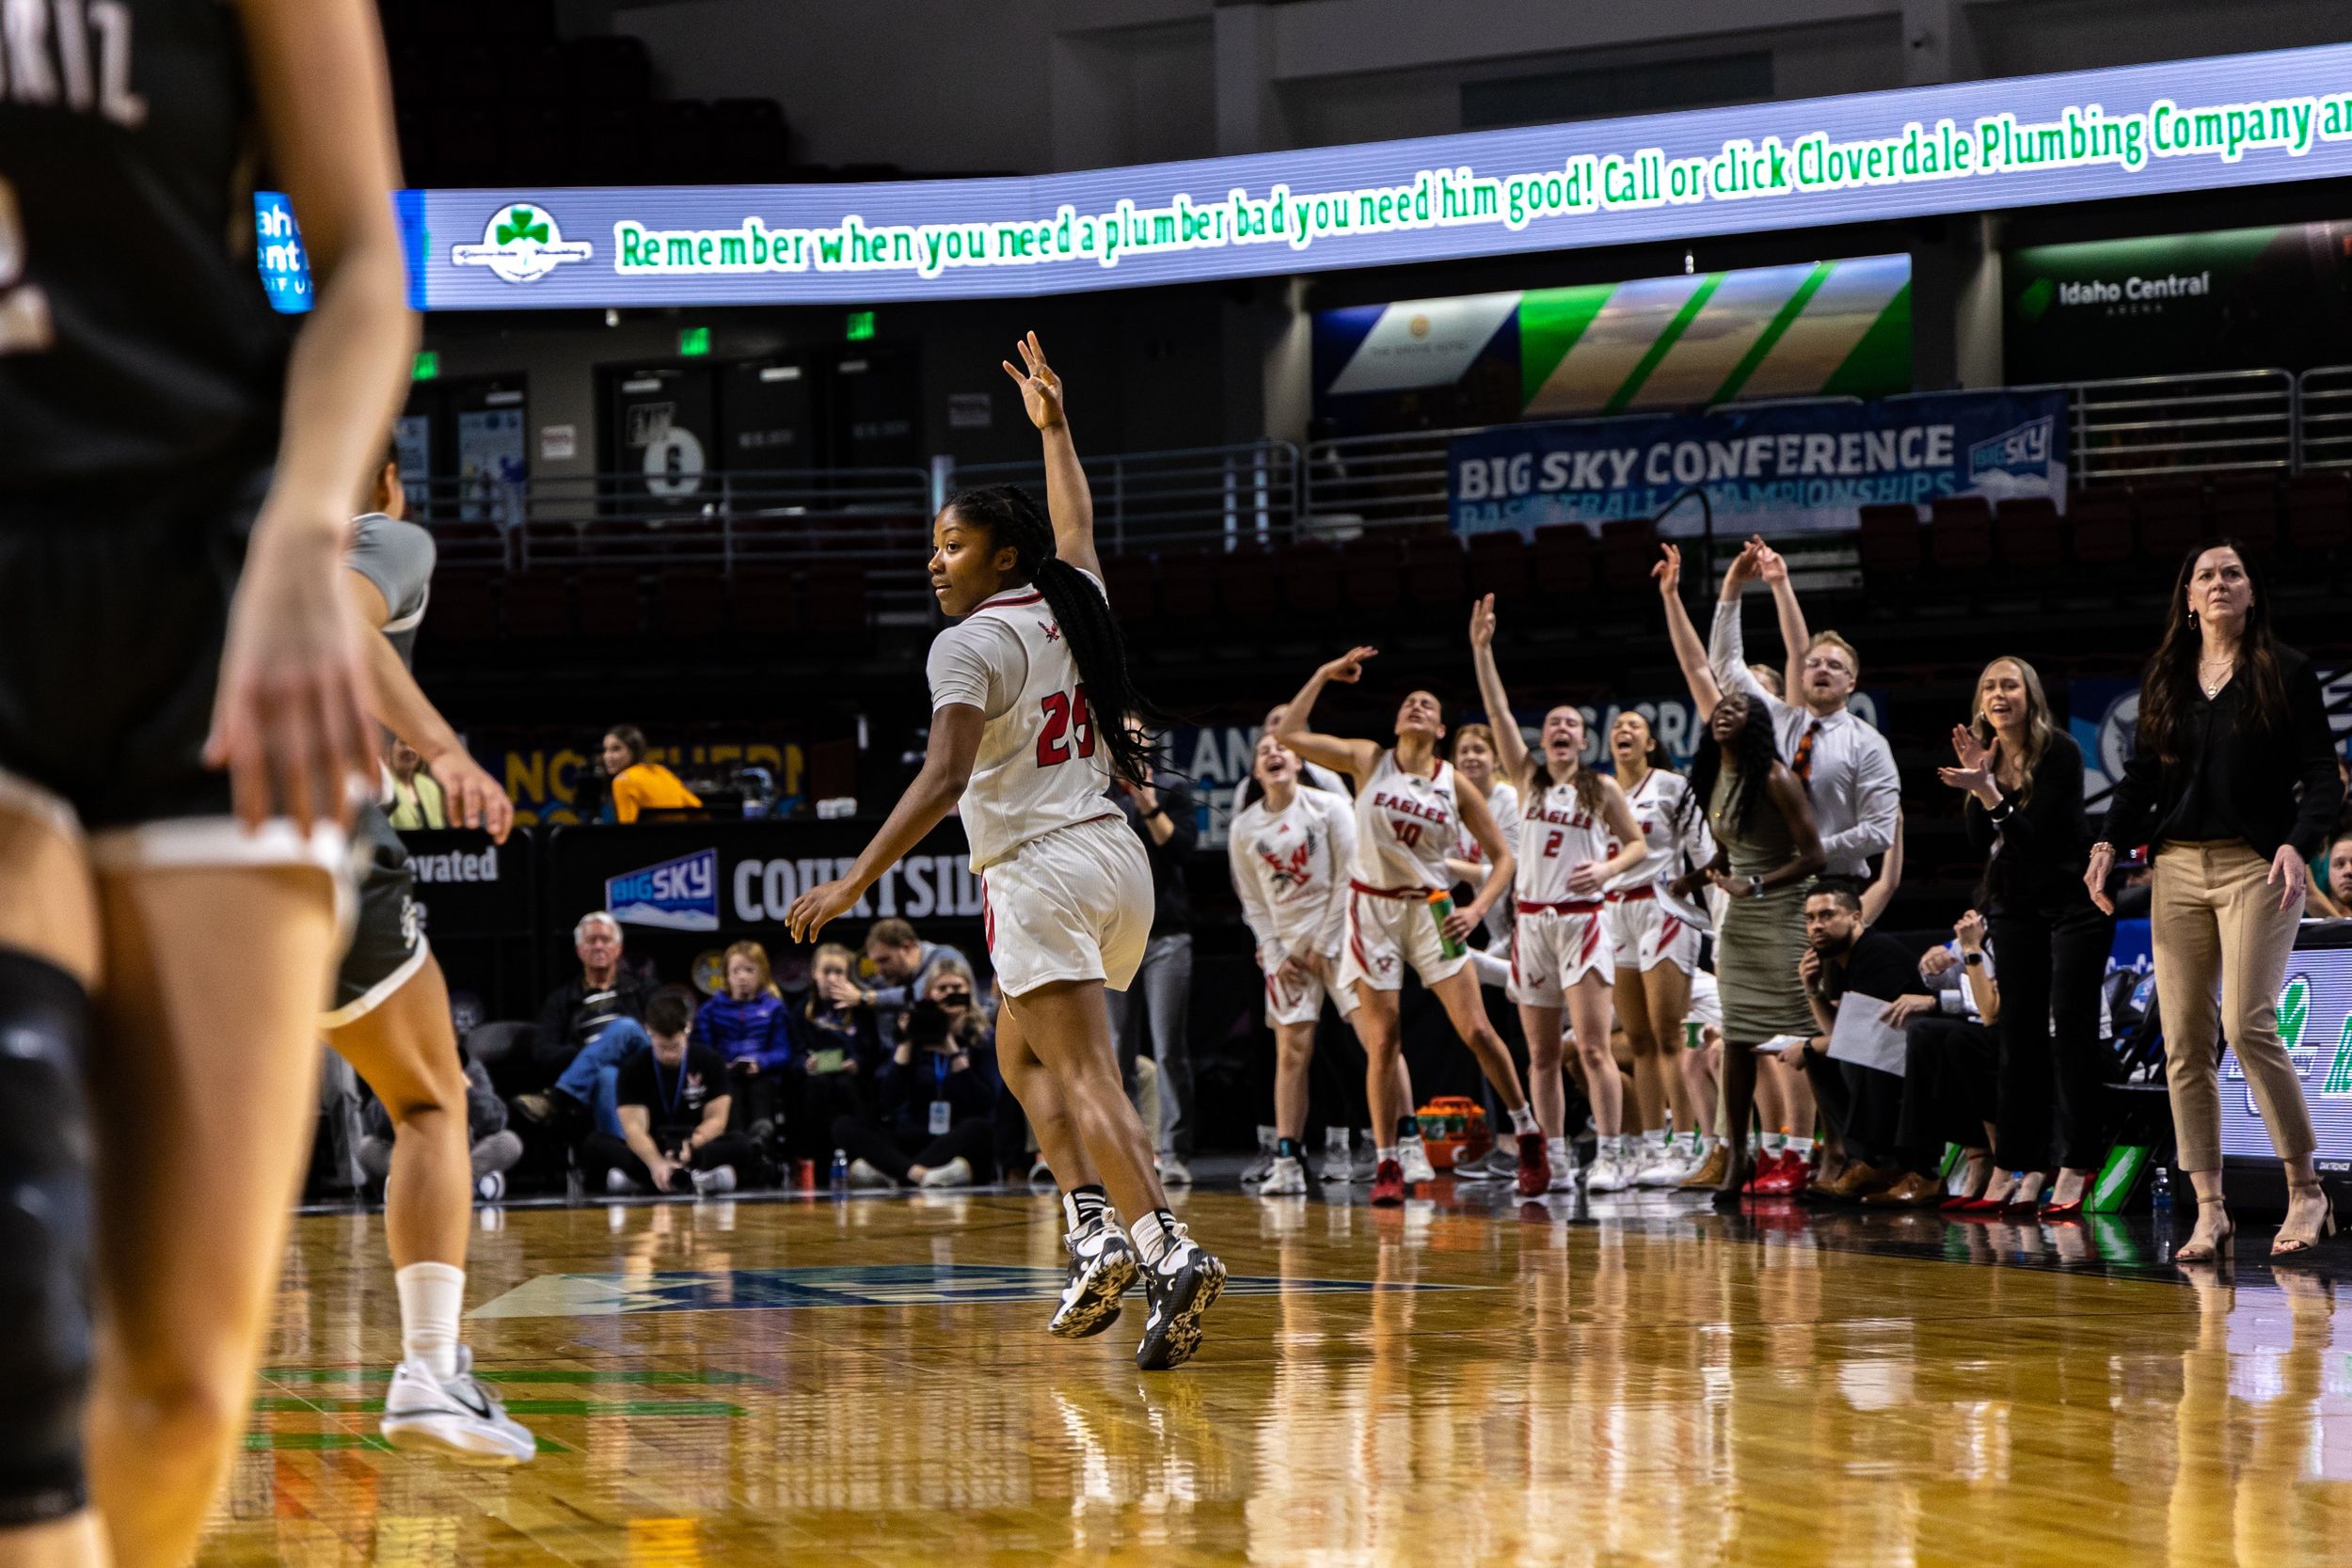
(1012, 516)
(1751, 757)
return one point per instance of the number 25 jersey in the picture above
(1041, 767)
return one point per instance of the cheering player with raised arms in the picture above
(1408, 811)
(182, 713)
(1031, 702)
(1578, 833)
(1292, 849)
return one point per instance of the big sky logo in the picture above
(521, 243)
(677, 896)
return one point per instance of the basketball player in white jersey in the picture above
(1655, 937)
(1291, 850)
(1030, 709)
(1575, 832)
(1408, 814)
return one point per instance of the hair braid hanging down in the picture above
(1012, 516)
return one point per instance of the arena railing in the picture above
(2162, 426)
(2323, 417)
(1192, 495)
(1259, 492)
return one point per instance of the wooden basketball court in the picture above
(1466, 1382)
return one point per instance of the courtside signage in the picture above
(2022, 141)
(679, 895)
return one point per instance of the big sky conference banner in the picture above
(1770, 469)
(2024, 141)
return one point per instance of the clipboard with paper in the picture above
(1863, 1037)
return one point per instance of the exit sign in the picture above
(427, 365)
(693, 341)
(860, 326)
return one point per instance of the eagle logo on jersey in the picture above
(1290, 870)
(1052, 630)
(521, 243)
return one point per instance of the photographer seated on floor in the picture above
(673, 1104)
(936, 1099)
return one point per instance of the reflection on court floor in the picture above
(1469, 1382)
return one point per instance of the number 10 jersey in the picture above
(1041, 767)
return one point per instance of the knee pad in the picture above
(45, 1226)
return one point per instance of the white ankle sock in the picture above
(1523, 1120)
(432, 1297)
(1151, 1236)
(1380, 1155)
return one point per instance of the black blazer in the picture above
(2245, 781)
(2039, 847)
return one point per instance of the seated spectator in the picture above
(637, 785)
(2338, 900)
(673, 1108)
(1951, 1061)
(935, 1102)
(587, 1026)
(417, 798)
(837, 1046)
(495, 1148)
(902, 966)
(1862, 1105)
(746, 1025)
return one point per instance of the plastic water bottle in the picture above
(840, 1173)
(1440, 910)
(2160, 1194)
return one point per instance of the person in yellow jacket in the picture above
(637, 785)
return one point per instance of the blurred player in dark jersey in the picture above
(181, 717)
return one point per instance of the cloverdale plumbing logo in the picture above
(521, 243)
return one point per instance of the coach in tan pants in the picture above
(2232, 783)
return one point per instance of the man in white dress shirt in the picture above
(1846, 765)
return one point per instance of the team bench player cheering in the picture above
(1031, 704)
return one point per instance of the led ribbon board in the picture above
(2024, 141)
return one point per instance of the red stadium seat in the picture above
(1248, 587)
(1369, 576)
(1434, 576)
(2246, 509)
(690, 603)
(539, 606)
(2099, 527)
(1629, 548)
(2026, 533)
(609, 604)
(837, 605)
(2171, 521)
(463, 607)
(1499, 565)
(1188, 590)
(1309, 576)
(762, 603)
(1560, 560)
(1960, 530)
(1127, 580)
(2319, 510)
(1889, 544)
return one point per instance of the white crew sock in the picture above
(1523, 1120)
(432, 1297)
(1382, 1155)
(1654, 1137)
(1801, 1147)
(1153, 1234)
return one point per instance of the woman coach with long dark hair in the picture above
(2233, 783)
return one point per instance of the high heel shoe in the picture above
(2296, 1241)
(2207, 1249)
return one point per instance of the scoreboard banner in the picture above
(1774, 470)
(1960, 147)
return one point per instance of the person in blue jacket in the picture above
(747, 1024)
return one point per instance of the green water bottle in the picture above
(1440, 907)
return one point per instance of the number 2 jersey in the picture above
(136, 340)
(1040, 767)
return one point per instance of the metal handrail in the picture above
(1247, 492)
